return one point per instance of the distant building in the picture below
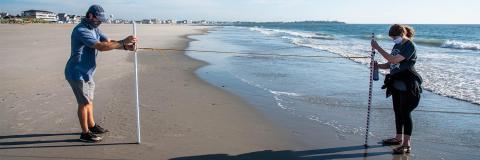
(3, 14)
(169, 21)
(63, 18)
(119, 21)
(155, 21)
(147, 21)
(110, 19)
(202, 22)
(184, 22)
(40, 14)
(74, 19)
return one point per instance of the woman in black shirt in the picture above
(403, 83)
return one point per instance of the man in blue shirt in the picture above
(87, 40)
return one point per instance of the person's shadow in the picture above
(327, 153)
(46, 143)
(46, 140)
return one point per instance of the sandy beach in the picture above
(183, 117)
(239, 80)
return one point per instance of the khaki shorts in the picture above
(83, 91)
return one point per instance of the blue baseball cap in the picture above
(98, 12)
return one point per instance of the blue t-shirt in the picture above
(82, 62)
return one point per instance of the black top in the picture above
(408, 51)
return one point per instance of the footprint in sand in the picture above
(116, 137)
(59, 121)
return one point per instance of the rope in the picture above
(250, 53)
(370, 93)
(290, 55)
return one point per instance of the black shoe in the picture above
(90, 137)
(98, 130)
(402, 150)
(391, 141)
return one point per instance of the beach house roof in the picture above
(35, 10)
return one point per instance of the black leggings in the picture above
(403, 104)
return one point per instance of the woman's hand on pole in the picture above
(375, 65)
(375, 44)
(384, 54)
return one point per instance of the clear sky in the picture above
(350, 11)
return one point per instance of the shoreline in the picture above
(242, 115)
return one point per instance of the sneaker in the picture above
(90, 137)
(98, 130)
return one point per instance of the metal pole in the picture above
(372, 56)
(136, 86)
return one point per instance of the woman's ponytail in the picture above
(410, 31)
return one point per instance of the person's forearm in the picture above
(121, 46)
(385, 55)
(107, 46)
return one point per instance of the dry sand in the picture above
(182, 116)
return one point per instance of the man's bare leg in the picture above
(83, 117)
(90, 120)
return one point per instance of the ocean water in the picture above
(301, 92)
(448, 54)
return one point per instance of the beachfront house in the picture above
(184, 22)
(155, 20)
(147, 21)
(119, 21)
(167, 21)
(201, 22)
(40, 14)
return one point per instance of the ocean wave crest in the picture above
(282, 32)
(452, 44)
(433, 42)
(284, 93)
(461, 45)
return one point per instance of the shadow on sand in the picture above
(318, 154)
(47, 143)
(327, 153)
